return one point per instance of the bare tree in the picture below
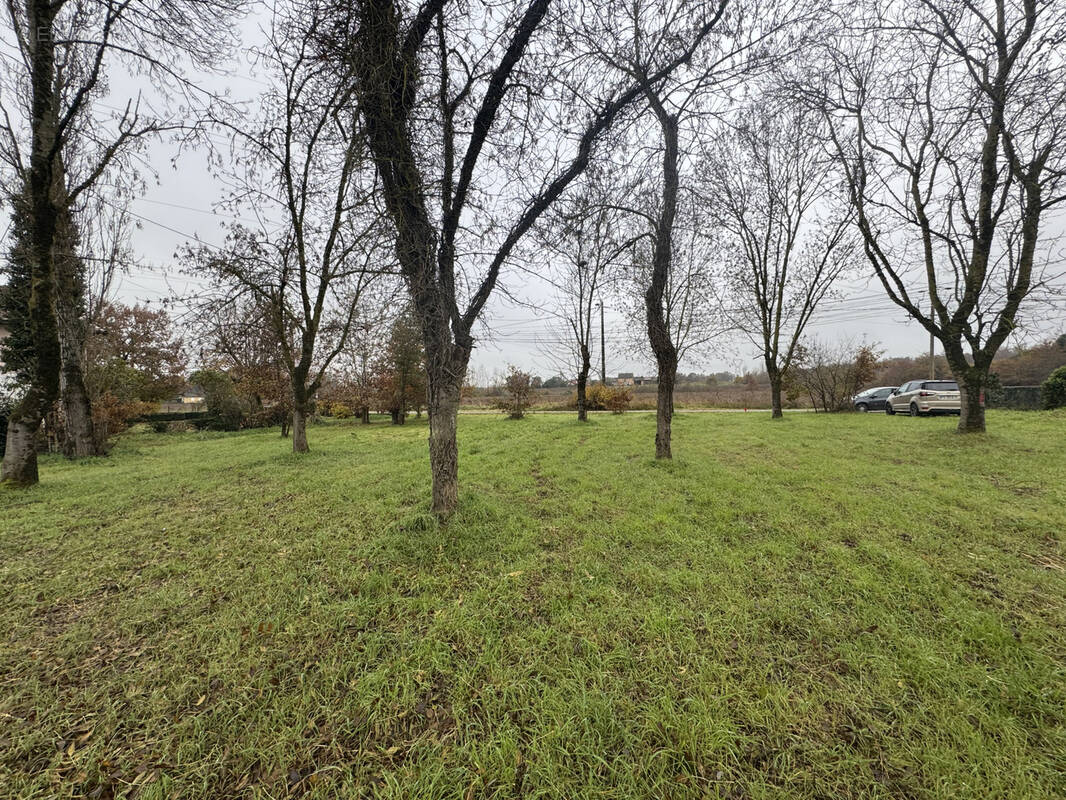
(585, 236)
(690, 309)
(785, 236)
(310, 304)
(451, 96)
(356, 364)
(314, 257)
(238, 337)
(681, 108)
(830, 374)
(950, 121)
(49, 119)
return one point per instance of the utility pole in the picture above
(603, 350)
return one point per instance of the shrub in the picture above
(830, 375)
(518, 390)
(1053, 390)
(598, 397)
(224, 407)
(112, 415)
(277, 414)
(340, 411)
(618, 399)
(159, 426)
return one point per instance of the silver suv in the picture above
(919, 398)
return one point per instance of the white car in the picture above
(919, 398)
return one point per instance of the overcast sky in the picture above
(179, 207)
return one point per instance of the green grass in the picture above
(848, 606)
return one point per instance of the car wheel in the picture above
(889, 410)
(862, 407)
(914, 410)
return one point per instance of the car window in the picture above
(941, 386)
(904, 388)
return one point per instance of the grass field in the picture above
(848, 606)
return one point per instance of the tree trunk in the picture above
(77, 411)
(445, 368)
(971, 392)
(71, 327)
(972, 380)
(365, 415)
(20, 454)
(775, 397)
(79, 441)
(582, 389)
(299, 429)
(664, 411)
(654, 298)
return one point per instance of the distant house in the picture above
(190, 395)
(625, 379)
(640, 380)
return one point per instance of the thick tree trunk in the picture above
(364, 415)
(775, 397)
(972, 380)
(395, 415)
(299, 429)
(77, 411)
(20, 452)
(445, 368)
(664, 411)
(79, 440)
(72, 326)
(972, 396)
